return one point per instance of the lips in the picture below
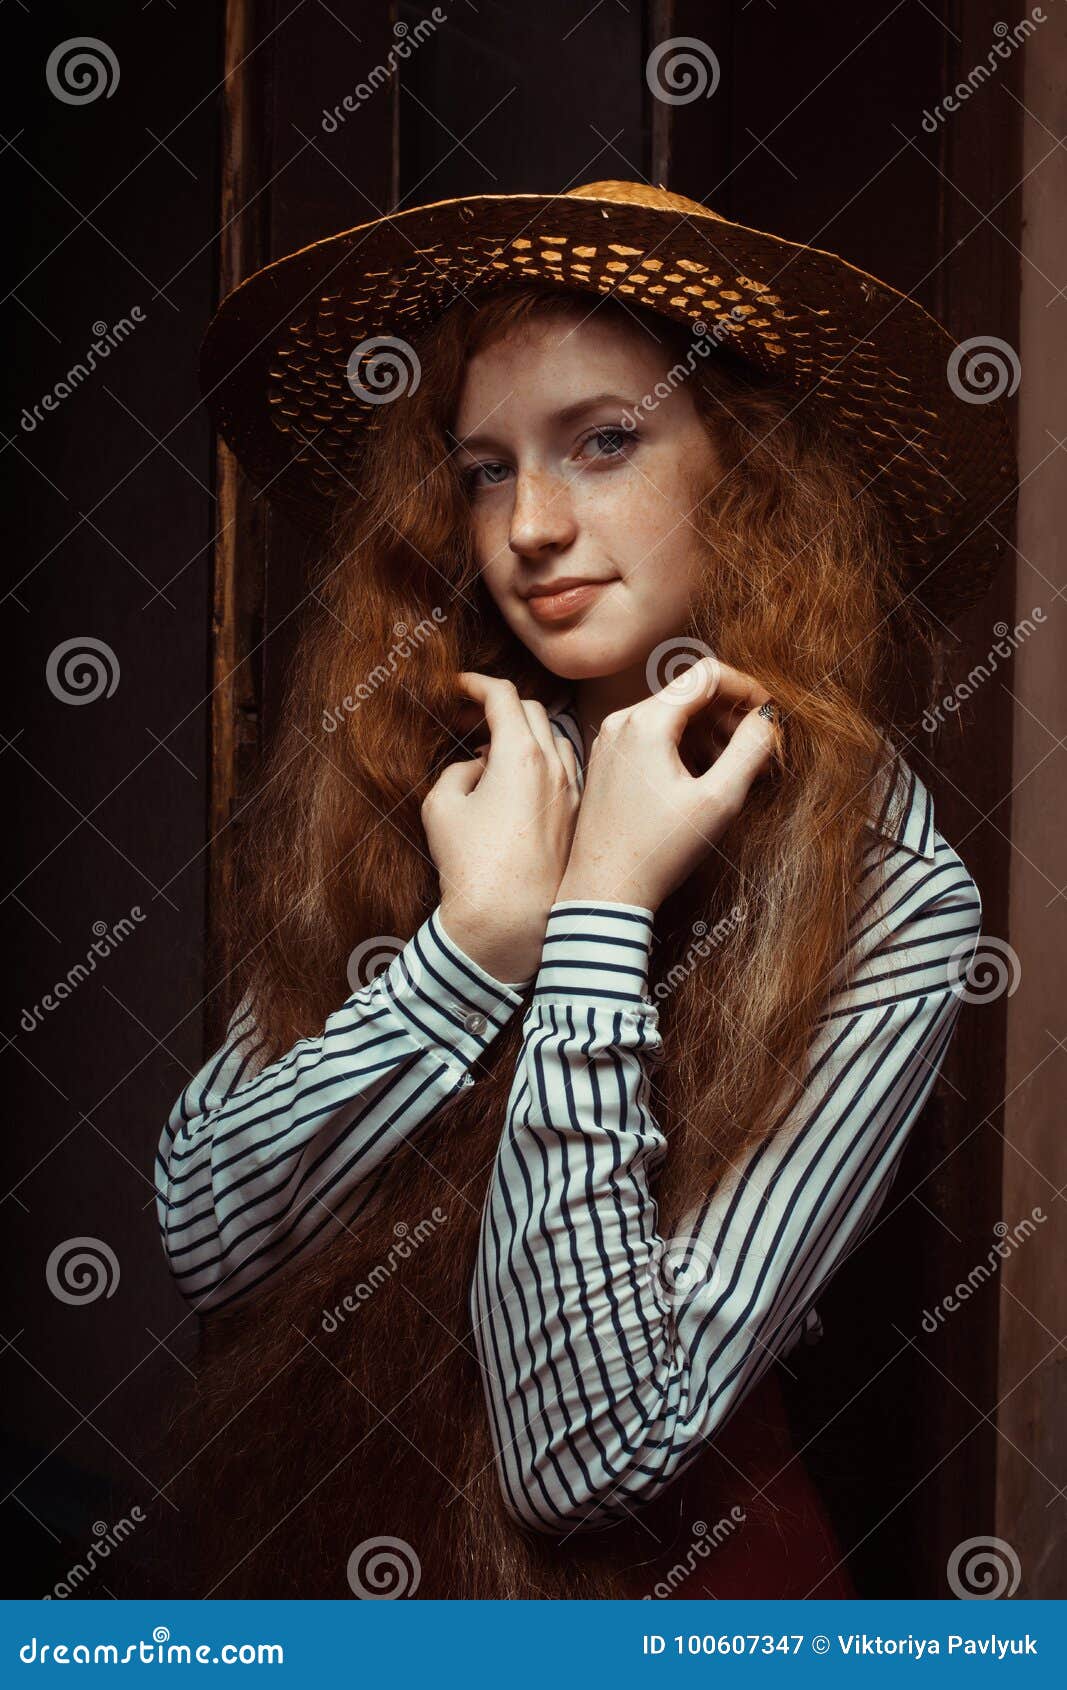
(557, 605)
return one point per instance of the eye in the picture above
(494, 472)
(613, 442)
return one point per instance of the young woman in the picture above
(599, 948)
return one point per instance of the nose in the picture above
(542, 516)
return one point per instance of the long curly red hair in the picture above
(297, 1446)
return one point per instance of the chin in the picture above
(572, 663)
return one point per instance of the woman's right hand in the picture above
(499, 828)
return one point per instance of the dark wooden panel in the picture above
(112, 205)
(331, 168)
(298, 164)
(523, 99)
(970, 774)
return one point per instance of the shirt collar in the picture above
(902, 809)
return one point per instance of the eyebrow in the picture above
(568, 414)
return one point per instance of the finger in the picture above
(508, 723)
(710, 684)
(738, 690)
(707, 703)
(567, 755)
(460, 779)
(748, 754)
(706, 734)
(541, 728)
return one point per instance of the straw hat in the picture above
(300, 358)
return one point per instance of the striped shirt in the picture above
(609, 1354)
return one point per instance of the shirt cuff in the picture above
(445, 996)
(595, 948)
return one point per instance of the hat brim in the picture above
(286, 394)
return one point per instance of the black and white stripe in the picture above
(602, 1383)
(258, 1169)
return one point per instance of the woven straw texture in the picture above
(277, 380)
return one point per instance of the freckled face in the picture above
(560, 490)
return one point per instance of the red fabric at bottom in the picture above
(778, 1544)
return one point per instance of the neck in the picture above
(597, 697)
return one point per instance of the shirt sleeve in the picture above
(258, 1167)
(610, 1354)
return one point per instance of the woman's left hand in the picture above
(645, 821)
